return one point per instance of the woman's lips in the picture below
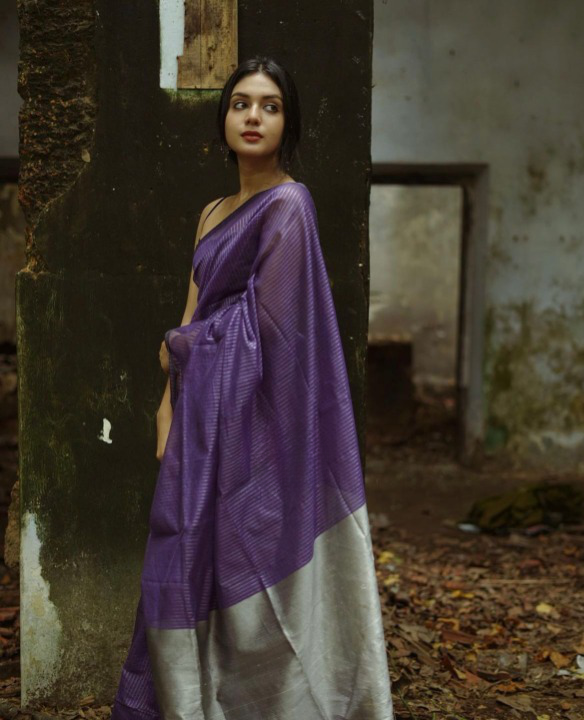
(251, 138)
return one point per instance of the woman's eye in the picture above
(271, 105)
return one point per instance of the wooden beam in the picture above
(210, 44)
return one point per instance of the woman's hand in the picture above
(164, 359)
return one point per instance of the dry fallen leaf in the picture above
(509, 687)
(544, 608)
(392, 579)
(461, 594)
(521, 702)
(385, 557)
(579, 646)
(456, 636)
(558, 659)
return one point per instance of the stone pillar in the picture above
(115, 171)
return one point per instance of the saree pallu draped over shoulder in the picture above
(259, 598)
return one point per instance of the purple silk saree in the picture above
(259, 599)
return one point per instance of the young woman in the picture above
(259, 599)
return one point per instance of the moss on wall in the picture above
(57, 81)
(535, 381)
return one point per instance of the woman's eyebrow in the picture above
(264, 97)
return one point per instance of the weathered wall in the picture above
(8, 79)
(115, 173)
(498, 82)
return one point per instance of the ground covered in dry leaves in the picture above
(482, 626)
(478, 626)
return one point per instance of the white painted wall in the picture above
(501, 83)
(172, 31)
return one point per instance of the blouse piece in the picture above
(259, 598)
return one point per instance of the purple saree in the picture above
(259, 598)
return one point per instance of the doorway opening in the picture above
(428, 235)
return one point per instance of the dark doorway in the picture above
(425, 354)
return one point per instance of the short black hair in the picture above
(292, 121)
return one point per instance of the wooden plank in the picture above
(219, 41)
(189, 63)
(210, 44)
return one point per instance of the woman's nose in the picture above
(253, 113)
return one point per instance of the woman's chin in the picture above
(255, 155)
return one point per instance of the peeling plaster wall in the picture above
(40, 639)
(57, 82)
(115, 171)
(500, 83)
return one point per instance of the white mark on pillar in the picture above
(105, 431)
(41, 628)
(172, 32)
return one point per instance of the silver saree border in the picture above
(308, 648)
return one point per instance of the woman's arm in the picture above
(193, 290)
(191, 301)
(163, 421)
(164, 412)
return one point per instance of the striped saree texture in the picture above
(258, 594)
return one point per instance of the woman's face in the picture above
(256, 105)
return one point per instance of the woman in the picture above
(259, 599)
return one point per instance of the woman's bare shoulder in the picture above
(203, 215)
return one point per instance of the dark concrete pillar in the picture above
(115, 171)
